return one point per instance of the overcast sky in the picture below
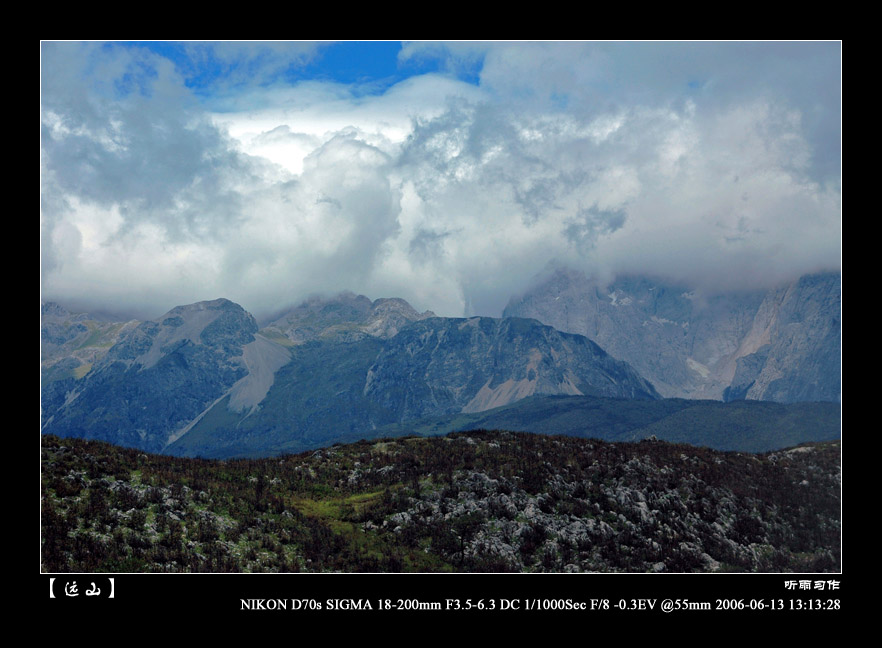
(449, 174)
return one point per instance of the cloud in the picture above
(134, 141)
(712, 163)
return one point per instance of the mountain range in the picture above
(205, 379)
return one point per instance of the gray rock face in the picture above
(344, 318)
(781, 345)
(219, 325)
(799, 328)
(444, 365)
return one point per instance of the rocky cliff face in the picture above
(793, 350)
(444, 365)
(781, 345)
(344, 318)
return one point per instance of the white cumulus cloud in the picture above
(669, 159)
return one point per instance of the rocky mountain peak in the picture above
(184, 360)
(220, 304)
(398, 305)
(219, 323)
(53, 310)
(345, 316)
(446, 365)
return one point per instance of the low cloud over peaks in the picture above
(166, 179)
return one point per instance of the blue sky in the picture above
(372, 67)
(450, 174)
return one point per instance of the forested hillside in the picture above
(475, 501)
